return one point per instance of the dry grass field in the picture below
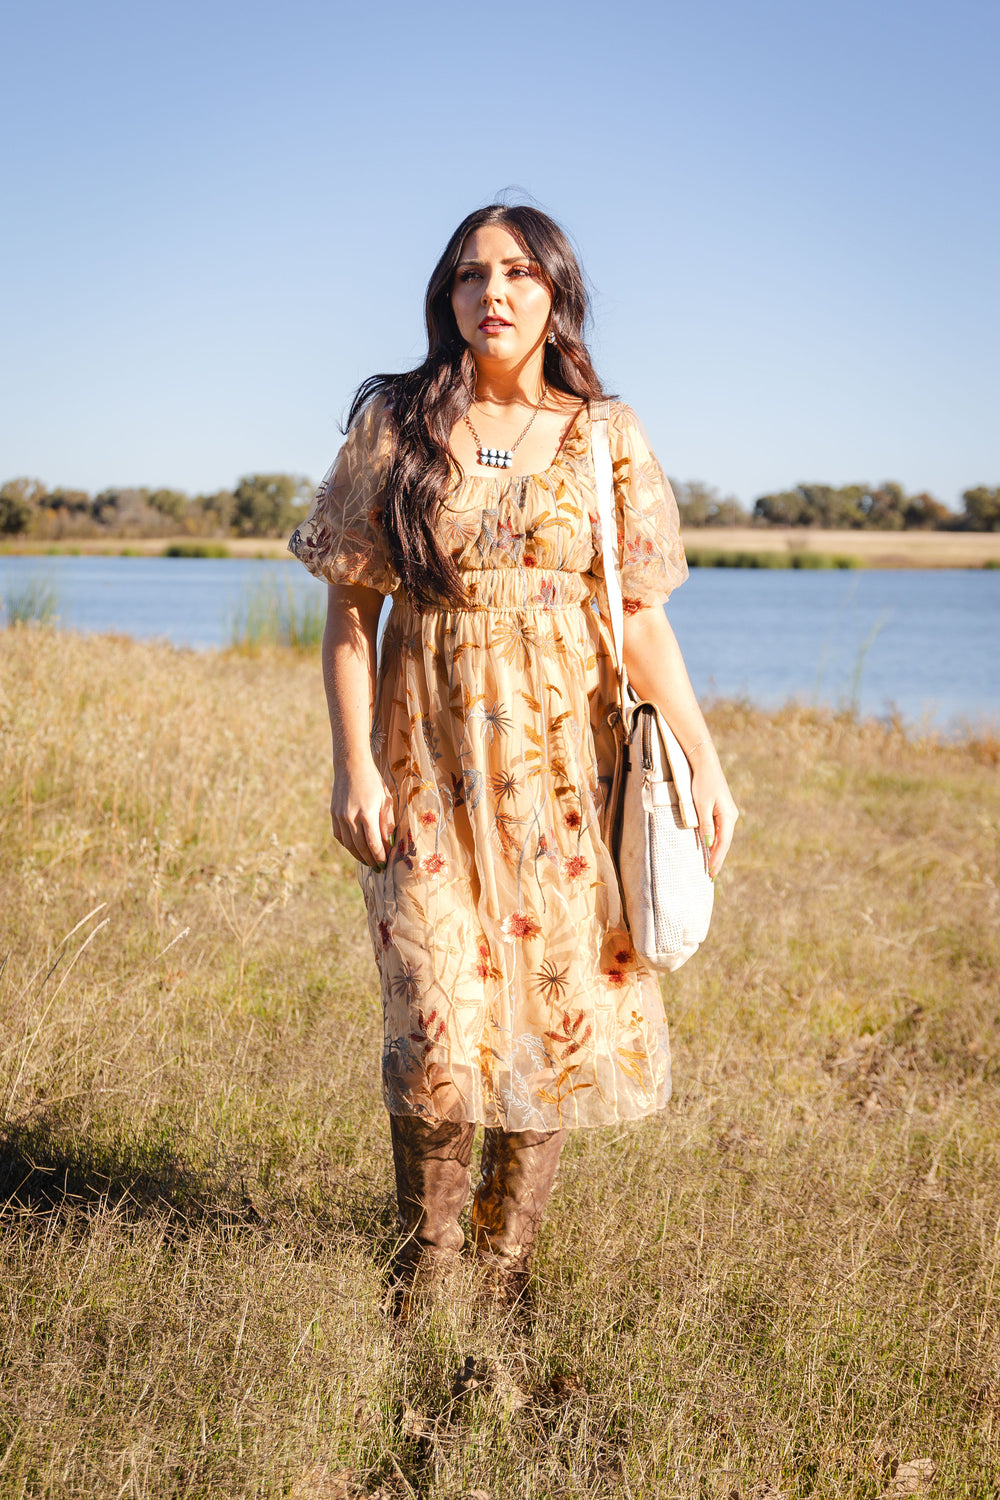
(786, 1285)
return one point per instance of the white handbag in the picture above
(651, 826)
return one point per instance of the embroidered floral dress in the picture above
(510, 989)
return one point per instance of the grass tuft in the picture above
(32, 601)
(197, 549)
(269, 614)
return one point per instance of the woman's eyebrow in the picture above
(510, 260)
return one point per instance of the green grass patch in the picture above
(717, 557)
(197, 549)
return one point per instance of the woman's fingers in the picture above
(362, 819)
(365, 842)
(724, 821)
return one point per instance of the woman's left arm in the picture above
(657, 672)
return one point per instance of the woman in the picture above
(469, 769)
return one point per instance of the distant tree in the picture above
(128, 512)
(982, 509)
(924, 513)
(173, 504)
(214, 512)
(269, 504)
(783, 508)
(19, 502)
(700, 504)
(884, 507)
(72, 502)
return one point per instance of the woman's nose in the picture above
(493, 287)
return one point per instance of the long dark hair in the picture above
(424, 404)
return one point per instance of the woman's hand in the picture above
(361, 812)
(714, 804)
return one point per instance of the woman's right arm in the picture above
(361, 807)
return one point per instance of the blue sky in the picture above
(219, 218)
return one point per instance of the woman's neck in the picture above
(510, 385)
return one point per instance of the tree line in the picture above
(259, 505)
(849, 507)
(272, 505)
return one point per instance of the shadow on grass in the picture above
(51, 1170)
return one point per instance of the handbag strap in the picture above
(600, 444)
(680, 766)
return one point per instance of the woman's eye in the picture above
(468, 275)
(520, 271)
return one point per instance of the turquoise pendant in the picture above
(496, 458)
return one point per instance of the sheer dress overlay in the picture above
(510, 989)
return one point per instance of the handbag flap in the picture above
(673, 760)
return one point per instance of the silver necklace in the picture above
(503, 458)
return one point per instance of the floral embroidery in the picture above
(519, 925)
(510, 990)
(406, 850)
(552, 980)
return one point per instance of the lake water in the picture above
(925, 643)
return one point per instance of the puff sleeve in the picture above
(341, 539)
(650, 550)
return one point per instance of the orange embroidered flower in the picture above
(632, 606)
(428, 818)
(519, 925)
(572, 819)
(484, 968)
(433, 864)
(615, 977)
(574, 867)
(385, 933)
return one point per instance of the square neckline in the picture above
(507, 474)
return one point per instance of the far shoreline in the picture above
(868, 549)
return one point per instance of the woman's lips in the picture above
(493, 325)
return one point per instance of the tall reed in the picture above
(31, 601)
(273, 614)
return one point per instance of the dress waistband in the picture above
(515, 588)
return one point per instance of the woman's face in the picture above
(500, 302)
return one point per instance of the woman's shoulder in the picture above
(626, 430)
(621, 415)
(370, 429)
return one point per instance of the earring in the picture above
(552, 339)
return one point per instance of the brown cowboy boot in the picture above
(517, 1171)
(432, 1184)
